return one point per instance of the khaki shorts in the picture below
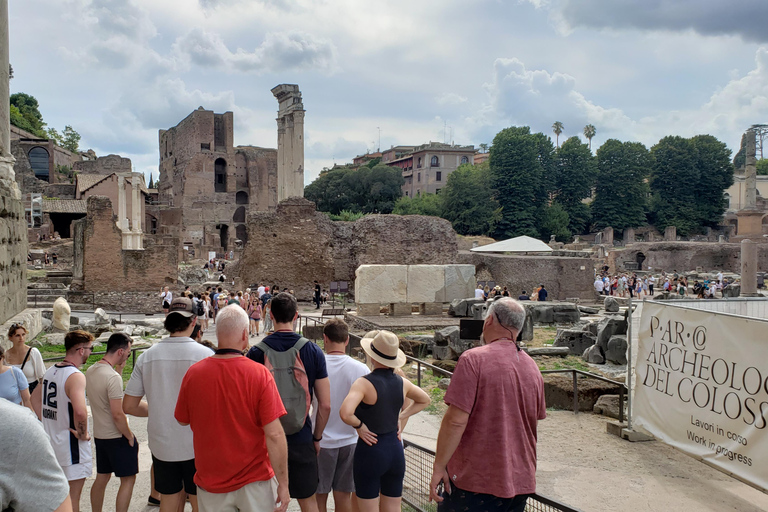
(256, 497)
(78, 471)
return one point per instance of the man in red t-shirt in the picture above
(233, 407)
(486, 448)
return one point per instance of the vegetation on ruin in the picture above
(25, 114)
(762, 167)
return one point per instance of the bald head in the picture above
(232, 327)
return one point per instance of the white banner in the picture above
(701, 385)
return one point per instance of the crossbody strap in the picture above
(25, 359)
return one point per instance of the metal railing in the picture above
(67, 294)
(134, 349)
(418, 475)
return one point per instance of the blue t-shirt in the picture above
(13, 381)
(543, 294)
(314, 364)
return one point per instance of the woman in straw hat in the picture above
(374, 406)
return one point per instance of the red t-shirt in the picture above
(227, 402)
(502, 390)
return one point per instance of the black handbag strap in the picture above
(25, 359)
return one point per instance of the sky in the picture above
(395, 71)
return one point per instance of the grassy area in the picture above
(36, 273)
(542, 336)
(429, 384)
(561, 363)
(59, 351)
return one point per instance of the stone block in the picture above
(526, 334)
(431, 308)
(608, 405)
(444, 337)
(443, 353)
(426, 283)
(479, 310)
(611, 305)
(589, 310)
(368, 309)
(462, 307)
(444, 383)
(460, 346)
(126, 328)
(61, 312)
(460, 282)
(548, 351)
(312, 332)
(381, 284)
(593, 355)
(101, 317)
(608, 327)
(541, 313)
(400, 309)
(566, 313)
(577, 341)
(616, 351)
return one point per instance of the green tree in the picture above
(589, 132)
(740, 158)
(620, 191)
(674, 180)
(364, 190)
(520, 163)
(554, 221)
(557, 127)
(713, 161)
(29, 109)
(575, 174)
(468, 201)
(762, 167)
(70, 139)
(484, 147)
(423, 204)
(151, 182)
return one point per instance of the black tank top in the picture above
(381, 417)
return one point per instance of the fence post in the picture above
(575, 393)
(629, 366)
(418, 372)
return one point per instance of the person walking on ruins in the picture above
(496, 392)
(117, 449)
(65, 415)
(651, 282)
(233, 408)
(374, 407)
(28, 360)
(166, 296)
(479, 293)
(337, 449)
(305, 371)
(254, 315)
(316, 297)
(157, 375)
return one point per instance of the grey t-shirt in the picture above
(30, 478)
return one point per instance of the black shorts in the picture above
(459, 501)
(302, 471)
(172, 477)
(117, 456)
(166, 305)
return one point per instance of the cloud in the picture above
(450, 98)
(280, 51)
(744, 18)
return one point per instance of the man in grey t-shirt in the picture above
(31, 479)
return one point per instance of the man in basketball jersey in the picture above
(65, 417)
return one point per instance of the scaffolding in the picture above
(34, 212)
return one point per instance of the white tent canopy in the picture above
(517, 244)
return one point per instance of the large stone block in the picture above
(431, 308)
(460, 282)
(608, 327)
(526, 334)
(577, 341)
(426, 283)
(61, 312)
(541, 313)
(400, 309)
(444, 337)
(463, 307)
(566, 313)
(381, 284)
(368, 309)
(617, 350)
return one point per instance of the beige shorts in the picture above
(78, 471)
(256, 497)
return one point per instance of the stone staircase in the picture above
(42, 293)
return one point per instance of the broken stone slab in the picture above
(100, 316)
(459, 281)
(526, 333)
(547, 351)
(56, 338)
(444, 337)
(126, 328)
(427, 340)
(577, 341)
(541, 313)
(608, 405)
(443, 353)
(732, 290)
(444, 383)
(611, 305)
(479, 310)
(610, 326)
(566, 313)
(589, 310)
(617, 350)
(400, 309)
(447, 364)
(594, 355)
(460, 346)
(61, 313)
(462, 307)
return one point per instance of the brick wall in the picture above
(107, 267)
(686, 256)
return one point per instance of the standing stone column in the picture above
(5, 107)
(750, 172)
(748, 268)
(290, 141)
(137, 242)
(121, 215)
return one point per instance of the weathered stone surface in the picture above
(548, 351)
(400, 309)
(31, 318)
(611, 305)
(312, 332)
(608, 405)
(576, 340)
(13, 245)
(368, 309)
(558, 392)
(732, 290)
(463, 307)
(381, 284)
(425, 283)
(431, 308)
(126, 328)
(460, 282)
(589, 310)
(616, 351)
(541, 313)
(101, 317)
(447, 364)
(566, 313)
(444, 337)
(526, 333)
(460, 346)
(61, 312)
(479, 310)
(610, 326)
(56, 338)
(444, 383)
(594, 354)
(443, 353)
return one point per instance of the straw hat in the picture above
(384, 348)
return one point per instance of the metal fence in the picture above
(134, 349)
(418, 474)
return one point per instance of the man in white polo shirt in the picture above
(157, 375)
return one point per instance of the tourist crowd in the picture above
(634, 286)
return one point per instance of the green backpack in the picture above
(292, 383)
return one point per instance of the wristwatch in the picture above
(360, 425)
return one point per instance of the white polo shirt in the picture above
(157, 375)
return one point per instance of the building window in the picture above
(406, 193)
(438, 175)
(220, 175)
(418, 166)
(205, 146)
(418, 177)
(241, 198)
(435, 162)
(418, 192)
(464, 160)
(437, 191)
(38, 161)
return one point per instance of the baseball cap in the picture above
(182, 306)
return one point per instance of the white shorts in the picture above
(255, 497)
(78, 471)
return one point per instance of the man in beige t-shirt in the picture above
(117, 450)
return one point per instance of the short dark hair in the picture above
(284, 307)
(117, 341)
(15, 327)
(177, 323)
(336, 330)
(75, 338)
(195, 331)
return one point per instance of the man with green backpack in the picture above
(299, 369)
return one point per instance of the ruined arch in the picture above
(239, 215)
(241, 233)
(241, 197)
(223, 236)
(39, 161)
(220, 175)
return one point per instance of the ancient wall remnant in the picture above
(106, 267)
(684, 256)
(295, 244)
